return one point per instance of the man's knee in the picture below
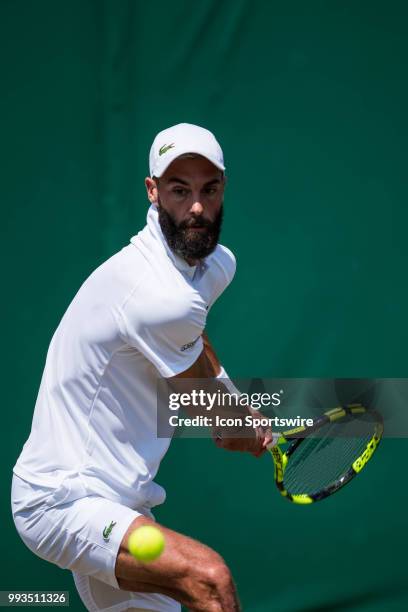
(188, 571)
(215, 585)
(217, 574)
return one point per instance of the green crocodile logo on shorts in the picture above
(165, 148)
(107, 531)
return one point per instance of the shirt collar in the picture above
(154, 226)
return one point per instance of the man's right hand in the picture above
(255, 440)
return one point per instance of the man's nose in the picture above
(197, 208)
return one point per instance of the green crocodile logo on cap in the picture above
(165, 148)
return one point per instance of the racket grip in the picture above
(275, 438)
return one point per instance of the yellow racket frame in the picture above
(295, 436)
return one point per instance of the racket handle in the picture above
(275, 439)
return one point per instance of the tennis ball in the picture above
(146, 543)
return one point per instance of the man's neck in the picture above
(191, 262)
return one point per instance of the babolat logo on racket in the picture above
(279, 467)
(107, 531)
(361, 461)
(165, 148)
(310, 461)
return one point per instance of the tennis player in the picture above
(85, 477)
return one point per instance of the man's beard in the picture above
(190, 244)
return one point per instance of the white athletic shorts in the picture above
(69, 533)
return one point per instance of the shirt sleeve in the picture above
(223, 267)
(167, 333)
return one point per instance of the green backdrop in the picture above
(308, 100)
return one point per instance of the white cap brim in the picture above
(163, 164)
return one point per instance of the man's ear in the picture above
(152, 191)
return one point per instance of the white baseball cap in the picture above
(180, 139)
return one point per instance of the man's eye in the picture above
(179, 191)
(210, 190)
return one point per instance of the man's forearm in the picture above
(215, 382)
(209, 379)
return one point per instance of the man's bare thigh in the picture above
(188, 571)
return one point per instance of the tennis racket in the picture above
(314, 462)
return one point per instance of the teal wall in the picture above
(308, 100)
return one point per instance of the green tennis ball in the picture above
(146, 543)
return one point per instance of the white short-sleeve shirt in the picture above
(139, 316)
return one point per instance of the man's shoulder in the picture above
(116, 277)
